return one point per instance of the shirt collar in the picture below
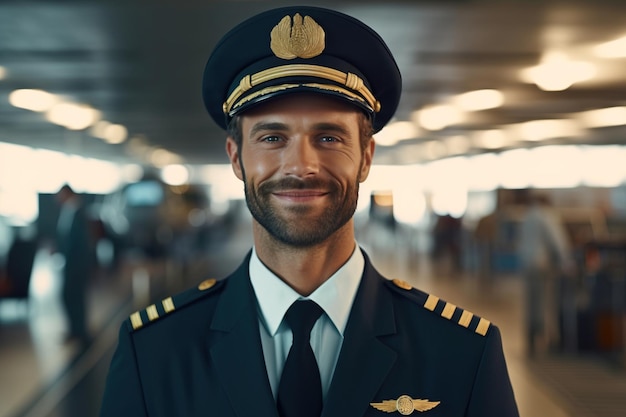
(335, 296)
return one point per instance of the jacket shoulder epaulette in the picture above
(142, 318)
(442, 308)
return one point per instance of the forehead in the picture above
(300, 107)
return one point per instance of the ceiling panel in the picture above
(140, 64)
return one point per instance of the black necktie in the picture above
(300, 389)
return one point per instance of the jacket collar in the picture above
(363, 363)
(365, 360)
(236, 350)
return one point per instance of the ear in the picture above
(368, 156)
(232, 150)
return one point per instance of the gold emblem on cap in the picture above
(304, 39)
(402, 284)
(405, 405)
(205, 285)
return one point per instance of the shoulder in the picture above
(430, 305)
(173, 305)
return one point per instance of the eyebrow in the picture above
(263, 126)
(331, 127)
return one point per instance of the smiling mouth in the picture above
(299, 195)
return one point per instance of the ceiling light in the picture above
(115, 134)
(491, 139)
(438, 117)
(175, 174)
(612, 116)
(537, 130)
(395, 132)
(34, 100)
(73, 116)
(162, 157)
(3, 72)
(99, 128)
(612, 49)
(479, 100)
(557, 72)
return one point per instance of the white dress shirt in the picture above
(335, 297)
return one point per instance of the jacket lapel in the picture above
(364, 360)
(236, 351)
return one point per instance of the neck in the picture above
(305, 268)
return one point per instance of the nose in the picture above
(300, 158)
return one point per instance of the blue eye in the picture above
(271, 139)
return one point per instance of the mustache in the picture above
(292, 183)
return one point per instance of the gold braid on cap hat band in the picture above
(351, 81)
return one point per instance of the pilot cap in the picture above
(301, 49)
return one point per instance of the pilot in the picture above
(305, 326)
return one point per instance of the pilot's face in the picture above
(301, 162)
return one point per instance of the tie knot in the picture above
(301, 317)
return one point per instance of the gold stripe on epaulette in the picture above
(466, 318)
(483, 326)
(402, 284)
(152, 312)
(135, 320)
(431, 302)
(168, 305)
(206, 284)
(448, 311)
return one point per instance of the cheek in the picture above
(346, 174)
(259, 166)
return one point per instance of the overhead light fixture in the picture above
(557, 72)
(479, 100)
(3, 72)
(538, 130)
(160, 157)
(612, 49)
(33, 100)
(611, 116)
(111, 133)
(490, 139)
(175, 174)
(115, 134)
(395, 132)
(438, 117)
(73, 116)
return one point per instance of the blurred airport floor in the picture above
(43, 377)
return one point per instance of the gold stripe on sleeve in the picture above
(153, 314)
(483, 326)
(431, 302)
(168, 304)
(448, 311)
(135, 320)
(466, 318)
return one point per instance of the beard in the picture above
(305, 231)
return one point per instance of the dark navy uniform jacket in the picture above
(199, 354)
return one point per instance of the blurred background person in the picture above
(446, 252)
(545, 256)
(74, 243)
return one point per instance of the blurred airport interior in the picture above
(504, 101)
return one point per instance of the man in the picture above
(301, 90)
(545, 256)
(74, 243)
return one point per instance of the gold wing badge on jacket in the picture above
(405, 405)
